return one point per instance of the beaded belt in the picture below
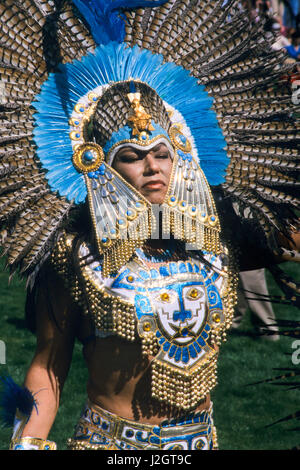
(98, 429)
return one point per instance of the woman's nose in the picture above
(151, 164)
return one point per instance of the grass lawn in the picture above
(242, 410)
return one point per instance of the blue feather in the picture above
(104, 19)
(13, 397)
(112, 63)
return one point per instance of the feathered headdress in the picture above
(212, 68)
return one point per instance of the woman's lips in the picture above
(154, 185)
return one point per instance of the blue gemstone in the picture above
(104, 426)
(144, 137)
(204, 335)
(110, 188)
(192, 351)
(88, 155)
(173, 268)
(203, 214)
(120, 221)
(178, 355)
(173, 198)
(129, 212)
(193, 209)
(201, 342)
(129, 433)
(182, 268)
(154, 274)
(104, 240)
(164, 271)
(154, 440)
(183, 204)
(190, 268)
(166, 346)
(185, 355)
(212, 218)
(172, 350)
(77, 136)
(81, 110)
(114, 199)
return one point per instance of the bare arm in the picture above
(56, 326)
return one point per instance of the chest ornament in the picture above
(179, 310)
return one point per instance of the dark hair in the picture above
(79, 224)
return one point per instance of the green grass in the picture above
(242, 410)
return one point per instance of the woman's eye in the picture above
(129, 158)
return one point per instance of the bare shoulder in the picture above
(56, 313)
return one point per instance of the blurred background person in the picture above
(252, 290)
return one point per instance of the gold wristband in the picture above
(31, 443)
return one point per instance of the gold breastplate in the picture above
(179, 310)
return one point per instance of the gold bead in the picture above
(165, 297)
(216, 318)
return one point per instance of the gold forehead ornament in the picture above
(138, 119)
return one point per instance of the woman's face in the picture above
(147, 171)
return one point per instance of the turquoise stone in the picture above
(88, 156)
